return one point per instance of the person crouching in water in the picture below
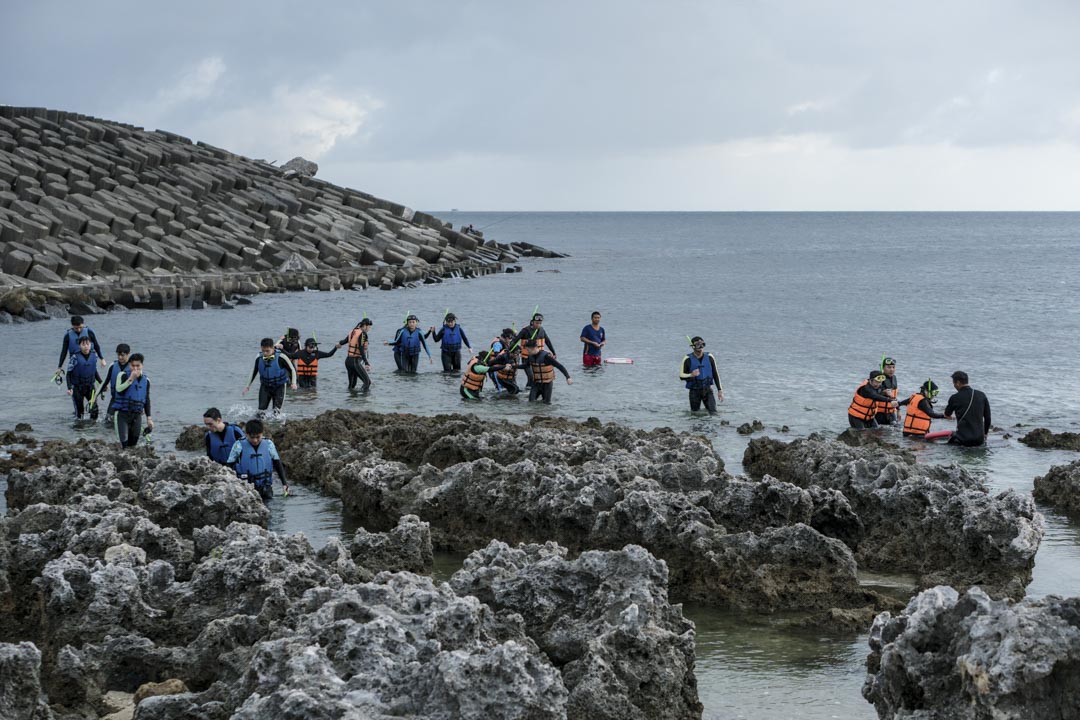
(132, 402)
(220, 436)
(542, 365)
(274, 371)
(81, 377)
(307, 362)
(699, 371)
(868, 401)
(472, 382)
(507, 354)
(255, 459)
(452, 337)
(920, 410)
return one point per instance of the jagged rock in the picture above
(192, 437)
(603, 618)
(1045, 440)
(168, 687)
(406, 547)
(585, 486)
(967, 657)
(939, 522)
(1060, 488)
(300, 166)
(21, 697)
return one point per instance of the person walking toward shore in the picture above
(868, 399)
(407, 346)
(543, 365)
(699, 372)
(255, 459)
(132, 403)
(69, 345)
(478, 368)
(452, 337)
(220, 436)
(274, 371)
(81, 378)
(535, 332)
(356, 360)
(108, 384)
(307, 362)
(593, 337)
(972, 411)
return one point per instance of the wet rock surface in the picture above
(938, 522)
(952, 656)
(106, 568)
(1060, 488)
(192, 437)
(1046, 440)
(726, 542)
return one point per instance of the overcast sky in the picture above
(583, 105)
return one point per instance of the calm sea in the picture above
(796, 307)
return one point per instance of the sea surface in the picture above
(796, 307)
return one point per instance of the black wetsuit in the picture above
(539, 389)
(972, 411)
(701, 393)
(888, 418)
(526, 334)
(106, 386)
(504, 360)
(354, 365)
(308, 381)
(407, 362)
(128, 424)
(93, 342)
(82, 391)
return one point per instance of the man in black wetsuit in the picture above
(972, 411)
(890, 387)
(274, 371)
(535, 332)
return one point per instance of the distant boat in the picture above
(453, 209)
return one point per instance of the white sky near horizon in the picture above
(629, 105)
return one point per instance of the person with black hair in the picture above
(307, 362)
(541, 366)
(868, 399)
(255, 459)
(81, 378)
(534, 331)
(699, 372)
(972, 411)
(356, 360)
(220, 436)
(407, 345)
(452, 337)
(132, 401)
(886, 415)
(112, 375)
(274, 371)
(289, 343)
(69, 345)
(477, 369)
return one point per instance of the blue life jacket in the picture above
(220, 449)
(82, 370)
(410, 341)
(705, 378)
(133, 397)
(271, 374)
(114, 377)
(74, 337)
(256, 463)
(451, 338)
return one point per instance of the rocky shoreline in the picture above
(96, 214)
(123, 569)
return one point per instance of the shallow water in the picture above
(796, 308)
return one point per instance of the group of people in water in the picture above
(286, 363)
(876, 403)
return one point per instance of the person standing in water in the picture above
(886, 414)
(699, 372)
(132, 403)
(452, 337)
(593, 337)
(255, 459)
(972, 411)
(407, 346)
(81, 378)
(274, 371)
(307, 362)
(356, 361)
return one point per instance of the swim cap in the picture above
(876, 374)
(888, 361)
(450, 316)
(412, 317)
(311, 342)
(538, 316)
(365, 321)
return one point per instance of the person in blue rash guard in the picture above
(408, 344)
(699, 371)
(69, 345)
(452, 337)
(220, 436)
(81, 378)
(255, 459)
(593, 337)
(274, 371)
(112, 375)
(132, 402)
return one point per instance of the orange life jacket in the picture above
(538, 347)
(472, 381)
(307, 369)
(916, 422)
(508, 373)
(861, 407)
(883, 408)
(358, 343)
(542, 373)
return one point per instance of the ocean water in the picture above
(796, 307)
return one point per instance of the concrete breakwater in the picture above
(98, 213)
